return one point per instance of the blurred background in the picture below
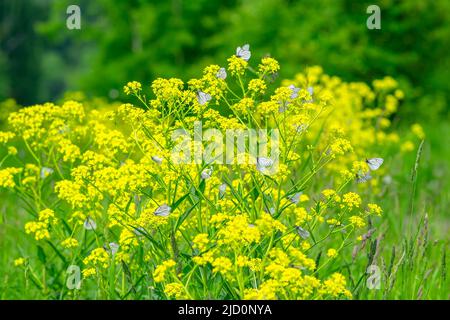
(40, 58)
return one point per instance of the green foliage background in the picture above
(123, 40)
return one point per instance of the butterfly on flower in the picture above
(157, 159)
(89, 224)
(163, 210)
(222, 190)
(304, 234)
(221, 74)
(374, 163)
(295, 198)
(361, 178)
(262, 163)
(206, 174)
(294, 90)
(203, 98)
(244, 52)
(111, 248)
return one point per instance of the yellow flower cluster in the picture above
(194, 227)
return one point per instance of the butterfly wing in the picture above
(374, 163)
(163, 211)
(304, 234)
(363, 178)
(203, 97)
(222, 74)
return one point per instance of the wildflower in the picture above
(351, 201)
(6, 136)
(132, 87)
(407, 146)
(418, 131)
(97, 258)
(12, 151)
(175, 290)
(375, 209)
(335, 286)
(332, 253)
(70, 243)
(222, 265)
(7, 177)
(237, 66)
(19, 262)
(357, 221)
(200, 241)
(160, 273)
(257, 86)
(268, 65)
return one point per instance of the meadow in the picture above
(242, 149)
(95, 205)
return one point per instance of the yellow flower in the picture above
(268, 65)
(132, 87)
(257, 86)
(19, 262)
(418, 131)
(237, 65)
(175, 290)
(7, 177)
(70, 243)
(12, 151)
(351, 201)
(407, 146)
(374, 209)
(160, 273)
(335, 286)
(6, 136)
(357, 221)
(222, 265)
(332, 253)
(88, 272)
(97, 258)
(200, 241)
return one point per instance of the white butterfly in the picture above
(374, 163)
(361, 178)
(244, 52)
(203, 97)
(301, 127)
(222, 74)
(45, 172)
(262, 163)
(222, 190)
(295, 198)
(89, 224)
(157, 159)
(111, 248)
(283, 106)
(302, 232)
(139, 231)
(163, 211)
(311, 92)
(270, 210)
(294, 90)
(206, 174)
